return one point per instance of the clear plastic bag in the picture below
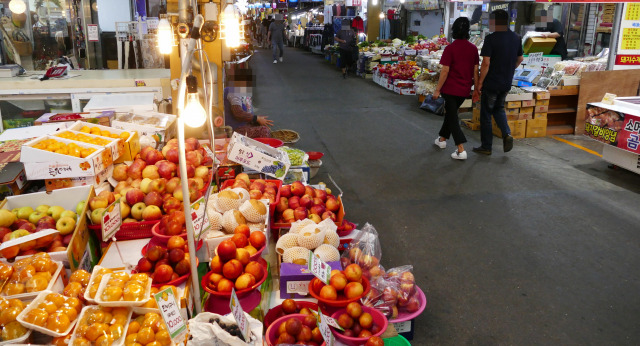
(365, 251)
(407, 299)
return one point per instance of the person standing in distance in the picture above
(501, 54)
(346, 39)
(276, 37)
(459, 72)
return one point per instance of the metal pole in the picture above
(615, 33)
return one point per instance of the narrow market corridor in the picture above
(539, 246)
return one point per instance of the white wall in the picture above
(430, 23)
(112, 11)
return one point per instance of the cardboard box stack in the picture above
(537, 127)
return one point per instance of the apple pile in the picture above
(403, 70)
(166, 264)
(347, 282)
(173, 224)
(151, 187)
(370, 264)
(357, 323)
(23, 221)
(232, 266)
(299, 330)
(298, 202)
(258, 189)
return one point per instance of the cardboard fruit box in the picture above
(130, 147)
(96, 181)
(156, 127)
(116, 146)
(258, 156)
(42, 164)
(68, 199)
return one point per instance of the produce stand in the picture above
(107, 253)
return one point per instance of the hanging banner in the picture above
(628, 51)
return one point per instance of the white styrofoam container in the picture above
(53, 286)
(120, 303)
(94, 274)
(118, 342)
(40, 298)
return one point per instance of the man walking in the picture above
(501, 54)
(276, 37)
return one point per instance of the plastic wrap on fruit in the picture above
(365, 250)
(31, 274)
(212, 329)
(383, 296)
(407, 297)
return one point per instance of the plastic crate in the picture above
(129, 230)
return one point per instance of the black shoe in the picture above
(344, 75)
(507, 143)
(481, 150)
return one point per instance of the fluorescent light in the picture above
(165, 36)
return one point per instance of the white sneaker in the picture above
(280, 59)
(275, 61)
(442, 145)
(459, 156)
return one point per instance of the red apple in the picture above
(294, 202)
(283, 204)
(285, 191)
(151, 212)
(173, 155)
(320, 193)
(158, 185)
(162, 273)
(297, 188)
(172, 185)
(134, 196)
(288, 214)
(306, 201)
(257, 186)
(4, 231)
(166, 169)
(153, 198)
(171, 204)
(193, 158)
(308, 190)
(135, 170)
(202, 172)
(300, 213)
(120, 173)
(226, 250)
(153, 156)
(232, 269)
(191, 171)
(332, 204)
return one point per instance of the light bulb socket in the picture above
(192, 84)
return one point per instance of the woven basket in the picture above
(286, 136)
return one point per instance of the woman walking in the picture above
(459, 72)
(346, 39)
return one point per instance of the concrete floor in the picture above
(539, 246)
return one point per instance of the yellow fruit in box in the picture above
(13, 330)
(146, 335)
(70, 312)
(95, 130)
(85, 129)
(9, 315)
(58, 322)
(112, 293)
(93, 290)
(131, 339)
(56, 298)
(16, 303)
(95, 330)
(37, 317)
(134, 327)
(13, 288)
(74, 303)
(120, 275)
(116, 331)
(49, 307)
(163, 338)
(97, 316)
(4, 304)
(125, 135)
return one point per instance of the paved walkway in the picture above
(539, 246)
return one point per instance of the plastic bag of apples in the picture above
(365, 250)
(394, 292)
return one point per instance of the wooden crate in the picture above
(472, 125)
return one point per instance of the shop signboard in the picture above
(614, 126)
(628, 51)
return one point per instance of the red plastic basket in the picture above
(272, 142)
(276, 312)
(129, 230)
(342, 301)
(378, 318)
(239, 293)
(272, 206)
(270, 336)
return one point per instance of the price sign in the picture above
(170, 312)
(111, 220)
(199, 217)
(319, 268)
(608, 98)
(535, 58)
(239, 315)
(327, 335)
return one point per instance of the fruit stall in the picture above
(100, 254)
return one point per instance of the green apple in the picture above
(96, 216)
(15, 211)
(145, 185)
(69, 213)
(55, 212)
(24, 212)
(18, 233)
(80, 207)
(7, 218)
(66, 225)
(35, 216)
(42, 208)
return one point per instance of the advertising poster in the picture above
(617, 128)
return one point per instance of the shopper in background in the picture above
(459, 72)
(346, 39)
(553, 29)
(238, 106)
(265, 30)
(501, 54)
(276, 37)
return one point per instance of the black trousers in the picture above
(451, 123)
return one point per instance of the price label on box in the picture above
(199, 218)
(170, 312)
(238, 314)
(111, 220)
(319, 268)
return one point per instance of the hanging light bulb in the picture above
(17, 6)
(231, 27)
(381, 15)
(165, 36)
(193, 114)
(402, 1)
(374, 2)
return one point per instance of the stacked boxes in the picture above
(537, 127)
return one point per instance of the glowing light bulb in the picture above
(374, 2)
(381, 15)
(194, 114)
(231, 27)
(17, 6)
(165, 36)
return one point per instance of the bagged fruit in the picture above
(212, 329)
(406, 282)
(365, 250)
(383, 296)
(30, 275)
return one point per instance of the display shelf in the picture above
(562, 110)
(564, 92)
(559, 130)
(562, 113)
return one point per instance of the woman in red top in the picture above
(459, 72)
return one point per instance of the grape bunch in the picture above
(232, 329)
(277, 169)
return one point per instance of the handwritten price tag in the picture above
(535, 57)
(239, 315)
(111, 220)
(327, 335)
(199, 217)
(170, 312)
(319, 268)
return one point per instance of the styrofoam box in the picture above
(118, 342)
(519, 97)
(94, 273)
(40, 298)
(120, 303)
(55, 285)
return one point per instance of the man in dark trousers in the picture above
(501, 54)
